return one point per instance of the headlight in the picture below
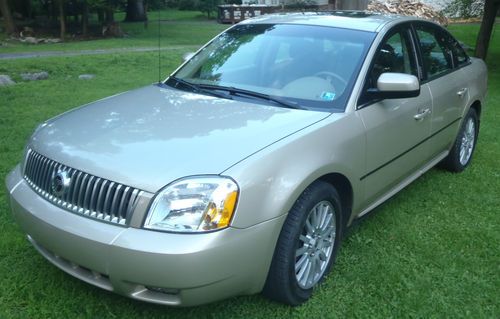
(194, 205)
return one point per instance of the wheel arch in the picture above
(345, 190)
(476, 105)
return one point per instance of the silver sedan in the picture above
(241, 171)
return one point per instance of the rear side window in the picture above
(437, 53)
(461, 57)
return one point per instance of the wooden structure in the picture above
(230, 13)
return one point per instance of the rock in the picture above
(112, 30)
(86, 76)
(33, 40)
(30, 40)
(53, 40)
(27, 32)
(6, 80)
(35, 76)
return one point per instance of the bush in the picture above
(464, 8)
(187, 4)
(300, 4)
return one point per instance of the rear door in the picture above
(447, 84)
(395, 133)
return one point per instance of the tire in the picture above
(460, 154)
(283, 283)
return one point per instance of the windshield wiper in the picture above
(197, 88)
(237, 91)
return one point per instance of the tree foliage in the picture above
(464, 8)
(208, 7)
(57, 12)
(136, 11)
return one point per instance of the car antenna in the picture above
(159, 48)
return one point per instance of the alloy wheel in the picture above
(316, 244)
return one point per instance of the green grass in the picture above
(431, 251)
(177, 28)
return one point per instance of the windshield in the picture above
(312, 66)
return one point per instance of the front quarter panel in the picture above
(271, 180)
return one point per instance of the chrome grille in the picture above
(85, 194)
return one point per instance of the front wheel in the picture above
(461, 153)
(307, 245)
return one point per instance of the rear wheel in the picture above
(465, 143)
(307, 245)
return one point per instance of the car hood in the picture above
(149, 137)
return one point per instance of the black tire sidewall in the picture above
(454, 163)
(289, 240)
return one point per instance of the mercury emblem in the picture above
(60, 183)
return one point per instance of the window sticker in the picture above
(327, 96)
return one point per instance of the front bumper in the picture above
(164, 268)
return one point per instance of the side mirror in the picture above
(187, 56)
(396, 86)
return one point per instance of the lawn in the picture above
(431, 251)
(176, 28)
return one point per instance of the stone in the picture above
(27, 32)
(86, 76)
(52, 40)
(30, 40)
(6, 80)
(35, 76)
(112, 30)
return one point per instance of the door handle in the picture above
(422, 114)
(462, 92)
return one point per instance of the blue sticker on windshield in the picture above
(327, 96)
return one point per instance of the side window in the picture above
(394, 55)
(461, 57)
(437, 55)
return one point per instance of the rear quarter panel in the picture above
(476, 74)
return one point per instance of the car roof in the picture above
(357, 20)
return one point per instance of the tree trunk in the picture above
(62, 18)
(100, 16)
(483, 38)
(109, 15)
(10, 26)
(53, 12)
(135, 11)
(21, 7)
(85, 18)
(29, 9)
(331, 4)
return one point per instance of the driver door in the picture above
(395, 130)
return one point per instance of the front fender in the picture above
(271, 180)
